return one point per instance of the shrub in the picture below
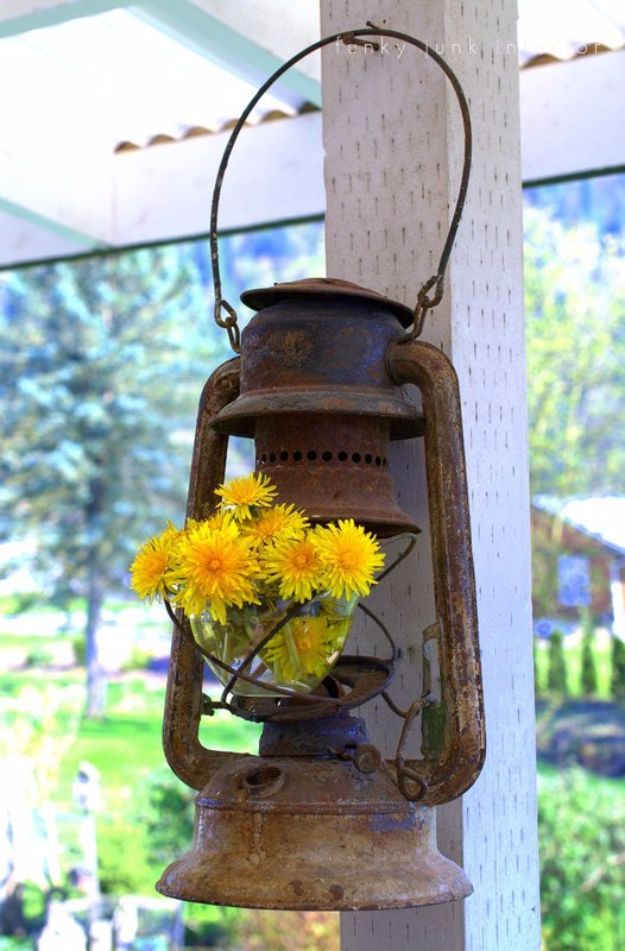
(123, 858)
(168, 816)
(138, 659)
(589, 668)
(618, 669)
(581, 825)
(38, 657)
(556, 677)
(79, 650)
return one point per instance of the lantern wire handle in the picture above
(425, 301)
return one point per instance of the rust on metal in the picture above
(318, 389)
(260, 297)
(452, 761)
(318, 820)
(311, 832)
(353, 681)
(318, 400)
(188, 758)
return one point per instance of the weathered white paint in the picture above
(283, 162)
(38, 184)
(569, 116)
(51, 171)
(393, 146)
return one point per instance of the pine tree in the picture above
(98, 387)
(617, 679)
(557, 673)
(589, 668)
(538, 687)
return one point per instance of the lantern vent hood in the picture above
(330, 287)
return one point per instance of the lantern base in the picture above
(306, 833)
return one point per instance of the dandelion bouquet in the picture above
(266, 594)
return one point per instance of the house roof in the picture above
(601, 517)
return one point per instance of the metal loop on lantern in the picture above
(410, 783)
(423, 302)
(238, 673)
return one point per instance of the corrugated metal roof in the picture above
(123, 79)
(126, 84)
(552, 30)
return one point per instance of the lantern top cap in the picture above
(327, 287)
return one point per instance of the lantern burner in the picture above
(353, 681)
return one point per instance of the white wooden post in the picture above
(393, 142)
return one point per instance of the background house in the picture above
(578, 555)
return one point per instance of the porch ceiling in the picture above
(81, 77)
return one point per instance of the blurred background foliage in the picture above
(103, 364)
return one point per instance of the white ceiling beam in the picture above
(213, 29)
(25, 238)
(276, 171)
(570, 117)
(81, 197)
(275, 174)
(21, 16)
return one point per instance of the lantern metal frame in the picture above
(358, 793)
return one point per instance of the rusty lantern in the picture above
(318, 820)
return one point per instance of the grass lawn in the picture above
(126, 746)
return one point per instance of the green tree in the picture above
(617, 676)
(557, 680)
(100, 379)
(589, 667)
(575, 305)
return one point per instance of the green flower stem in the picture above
(227, 653)
(293, 654)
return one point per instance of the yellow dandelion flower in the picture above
(301, 649)
(280, 521)
(349, 557)
(242, 494)
(293, 564)
(216, 569)
(219, 519)
(152, 564)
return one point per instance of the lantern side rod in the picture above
(188, 758)
(424, 301)
(455, 762)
